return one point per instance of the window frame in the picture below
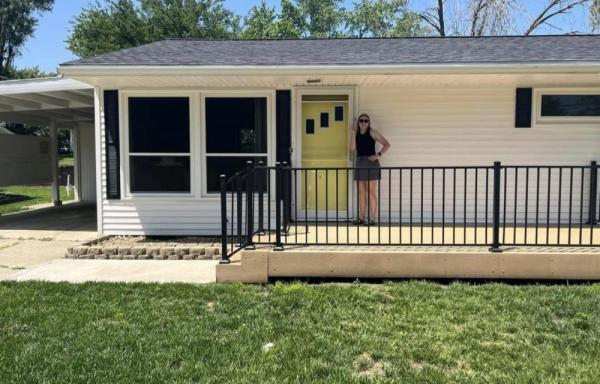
(126, 192)
(270, 154)
(542, 120)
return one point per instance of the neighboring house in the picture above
(172, 116)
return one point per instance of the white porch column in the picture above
(76, 161)
(54, 164)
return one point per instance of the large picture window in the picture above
(159, 144)
(236, 132)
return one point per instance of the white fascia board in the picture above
(14, 87)
(106, 70)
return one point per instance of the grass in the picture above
(65, 160)
(411, 332)
(29, 195)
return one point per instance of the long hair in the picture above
(358, 122)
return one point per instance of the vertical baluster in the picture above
(337, 207)
(548, 206)
(453, 205)
(306, 205)
(326, 206)
(432, 203)
(400, 206)
(504, 206)
(526, 203)
(559, 204)
(278, 193)
(316, 206)
(421, 231)
(444, 205)
(476, 193)
(515, 206)
(222, 183)
(537, 206)
(570, 201)
(411, 206)
(465, 206)
(581, 186)
(487, 198)
(389, 206)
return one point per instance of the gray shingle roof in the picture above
(431, 50)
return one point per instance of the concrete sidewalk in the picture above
(129, 271)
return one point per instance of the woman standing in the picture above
(362, 140)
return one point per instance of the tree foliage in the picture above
(383, 18)
(260, 22)
(125, 23)
(18, 19)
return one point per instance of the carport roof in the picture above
(64, 102)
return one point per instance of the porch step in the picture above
(431, 262)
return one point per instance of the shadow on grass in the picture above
(7, 199)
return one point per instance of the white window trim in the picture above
(271, 139)
(547, 120)
(126, 193)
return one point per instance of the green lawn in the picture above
(410, 332)
(66, 159)
(29, 195)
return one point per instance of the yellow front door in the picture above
(324, 145)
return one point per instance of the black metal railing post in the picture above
(250, 205)
(278, 178)
(592, 220)
(495, 246)
(261, 196)
(285, 185)
(224, 256)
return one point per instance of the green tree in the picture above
(323, 18)
(101, 29)
(29, 73)
(595, 14)
(290, 23)
(260, 22)
(127, 23)
(383, 18)
(18, 19)
(189, 18)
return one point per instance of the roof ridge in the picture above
(380, 38)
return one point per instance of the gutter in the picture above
(388, 69)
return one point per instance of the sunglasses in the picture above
(363, 121)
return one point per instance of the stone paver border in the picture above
(94, 249)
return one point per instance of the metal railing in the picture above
(493, 206)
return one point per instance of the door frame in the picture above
(351, 92)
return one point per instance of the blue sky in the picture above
(47, 48)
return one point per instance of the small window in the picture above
(159, 145)
(570, 106)
(324, 120)
(339, 113)
(310, 127)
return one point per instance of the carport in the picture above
(55, 103)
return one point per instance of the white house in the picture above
(171, 116)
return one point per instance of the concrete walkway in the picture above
(146, 271)
(33, 247)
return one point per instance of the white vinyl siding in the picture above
(473, 127)
(427, 126)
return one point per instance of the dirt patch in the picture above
(159, 242)
(367, 366)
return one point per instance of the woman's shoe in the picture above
(370, 222)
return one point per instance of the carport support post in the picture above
(54, 164)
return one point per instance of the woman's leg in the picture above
(373, 198)
(362, 199)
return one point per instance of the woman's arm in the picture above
(352, 140)
(381, 140)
